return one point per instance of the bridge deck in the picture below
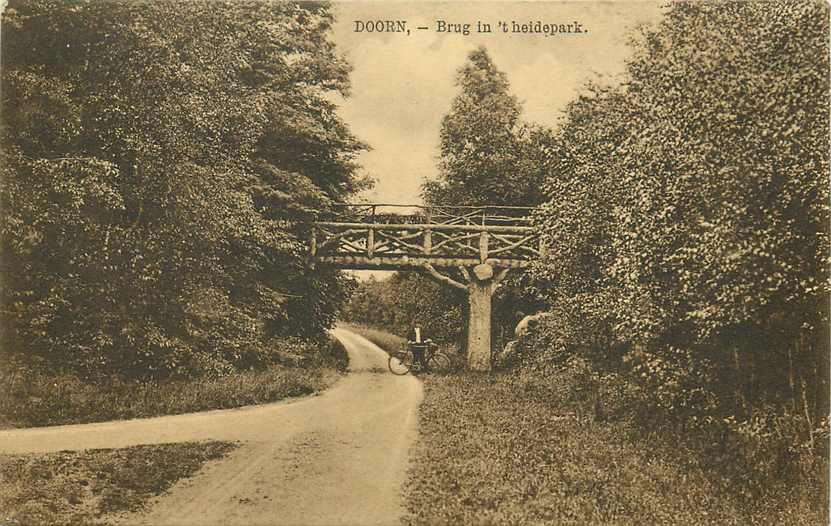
(372, 237)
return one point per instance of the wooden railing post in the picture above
(483, 246)
(370, 243)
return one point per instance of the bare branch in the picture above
(441, 278)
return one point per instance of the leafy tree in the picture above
(159, 161)
(488, 156)
(689, 207)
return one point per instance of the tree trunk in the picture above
(479, 325)
(466, 324)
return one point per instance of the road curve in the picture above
(337, 458)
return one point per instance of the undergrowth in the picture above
(42, 399)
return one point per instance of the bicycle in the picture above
(401, 362)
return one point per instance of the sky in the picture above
(402, 85)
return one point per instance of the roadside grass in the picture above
(387, 341)
(492, 452)
(93, 486)
(39, 399)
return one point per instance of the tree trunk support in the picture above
(482, 282)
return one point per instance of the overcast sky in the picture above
(402, 85)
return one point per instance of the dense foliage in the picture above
(687, 225)
(159, 160)
(407, 299)
(34, 398)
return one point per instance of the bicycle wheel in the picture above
(439, 363)
(400, 362)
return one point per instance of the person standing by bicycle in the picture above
(417, 344)
(419, 353)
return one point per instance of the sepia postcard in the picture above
(272, 262)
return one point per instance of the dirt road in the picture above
(338, 458)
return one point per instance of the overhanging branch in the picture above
(441, 278)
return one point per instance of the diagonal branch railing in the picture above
(376, 236)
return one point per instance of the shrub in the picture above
(565, 331)
(663, 401)
(30, 397)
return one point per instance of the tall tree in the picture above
(159, 160)
(488, 156)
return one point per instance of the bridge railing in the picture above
(439, 215)
(381, 236)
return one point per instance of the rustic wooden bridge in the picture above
(470, 248)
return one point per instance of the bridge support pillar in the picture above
(480, 293)
(481, 283)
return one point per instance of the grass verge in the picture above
(385, 340)
(92, 486)
(44, 399)
(492, 453)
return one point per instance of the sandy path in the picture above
(338, 458)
